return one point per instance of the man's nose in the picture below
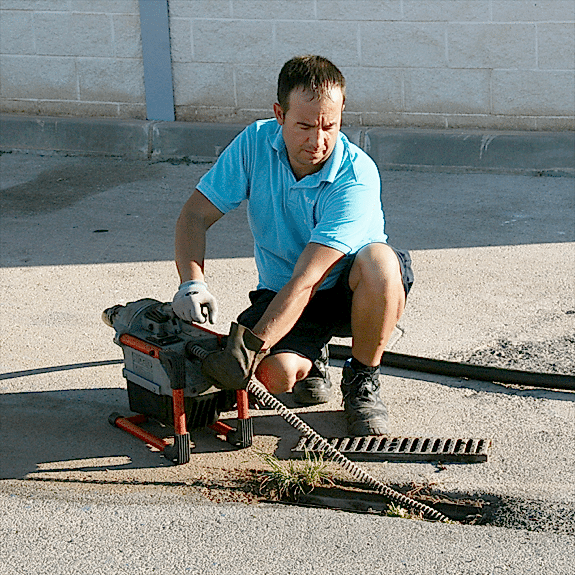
(317, 138)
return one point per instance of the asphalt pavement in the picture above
(494, 259)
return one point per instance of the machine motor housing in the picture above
(146, 328)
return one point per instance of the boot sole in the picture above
(311, 400)
(363, 428)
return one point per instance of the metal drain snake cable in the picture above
(272, 402)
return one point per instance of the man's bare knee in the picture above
(375, 265)
(280, 372)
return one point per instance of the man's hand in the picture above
(194, 302)
(233, 367)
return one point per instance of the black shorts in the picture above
(328, 314)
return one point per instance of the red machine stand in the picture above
(179, 451)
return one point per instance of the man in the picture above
(324, 266)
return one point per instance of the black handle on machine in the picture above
(175, 366)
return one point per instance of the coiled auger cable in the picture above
(272, 402)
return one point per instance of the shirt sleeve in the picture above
(350, 216)
(227, 183)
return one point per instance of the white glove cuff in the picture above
(193, 282)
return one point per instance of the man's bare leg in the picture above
(378, 301)
(377, 304)
(280, 372)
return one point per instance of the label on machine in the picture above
(145, 383)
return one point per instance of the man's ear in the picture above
(279, 114)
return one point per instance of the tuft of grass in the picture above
(293, 478)
(394, 510)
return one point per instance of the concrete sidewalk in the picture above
(495, 267)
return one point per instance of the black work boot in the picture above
(316, 387)
(365, 411)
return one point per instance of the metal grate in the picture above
(390, 448)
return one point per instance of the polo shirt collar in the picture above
(278, 144)
(329, 172)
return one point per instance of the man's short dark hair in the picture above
(312, 73)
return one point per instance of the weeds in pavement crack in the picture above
(291, 479)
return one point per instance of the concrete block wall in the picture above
(71, 58)
(493, 64)
(487, 64)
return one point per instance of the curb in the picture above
(534, 153)
(531, 153)
(127, 138)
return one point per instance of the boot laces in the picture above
(362, 387)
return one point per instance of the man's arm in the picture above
(196, 217)
(233, 367)
(313, 265)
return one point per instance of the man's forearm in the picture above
(190, 252)
(286, 308)
(282, 313)
(197, 215)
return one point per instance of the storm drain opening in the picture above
(392, 448)
(354, 498)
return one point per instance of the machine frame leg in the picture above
(130, 425)
(242, 436)
(179, 452)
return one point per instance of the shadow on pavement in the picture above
(66, 211)
(68, 431)
(60, 430)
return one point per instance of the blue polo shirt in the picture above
(339, 206)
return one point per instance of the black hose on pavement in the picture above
(466, 370)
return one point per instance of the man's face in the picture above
(310, 128)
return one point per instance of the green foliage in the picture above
(394, 510)
(292, 478)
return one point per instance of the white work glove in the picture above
(194, 302)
